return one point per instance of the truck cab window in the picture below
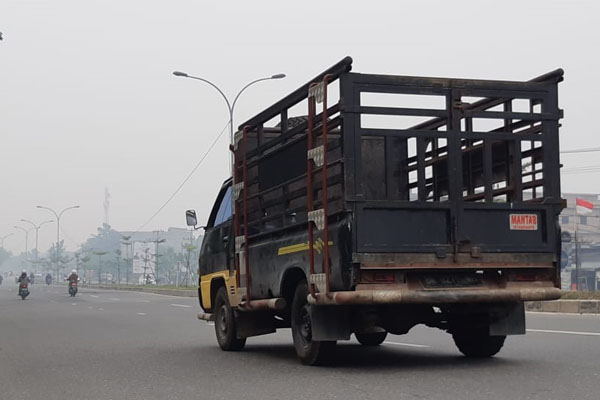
(224, 212)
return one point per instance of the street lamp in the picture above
(58, 215)
(26, 238)
(230, 105)
(37, 231)
(4, 237)
(127, 243)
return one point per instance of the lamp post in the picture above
(127, 243)
(26, 238)
(58, 215)
(37, 231)
(4, 237)
(230, 105)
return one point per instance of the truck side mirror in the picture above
(190, 218)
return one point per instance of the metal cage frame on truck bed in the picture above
(486, 154)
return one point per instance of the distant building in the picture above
(174, 237)
(588, 235)
(587, 225)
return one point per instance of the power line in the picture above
(184, 181)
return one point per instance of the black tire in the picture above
(477, 343)
(23, 297)
(225, 329)
(310, 352)
(371, 339)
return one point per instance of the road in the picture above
(128, 345)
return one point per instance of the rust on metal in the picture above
(278, 303)
(369, 297)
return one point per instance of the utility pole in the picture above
(146, 258)
(118, 259)
(127, 243)
(156, 242)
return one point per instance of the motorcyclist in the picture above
(31, 278)
(73, 278)
(48, 278)
(23, 278)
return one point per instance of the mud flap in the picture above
(254, 324)
(508, 320)
(330, 323)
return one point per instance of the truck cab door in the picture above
(216, 247)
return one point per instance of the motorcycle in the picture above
(23, 290)
(48, 280)
(73, 289)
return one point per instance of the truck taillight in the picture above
(385, 277)
(524, 277)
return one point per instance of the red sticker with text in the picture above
(523, 222)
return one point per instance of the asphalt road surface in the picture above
(127, 345)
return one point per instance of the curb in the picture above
(565, 306)
(167, 292)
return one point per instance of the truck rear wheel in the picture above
(310, 352)
(371, 339)
(225, 329)
(477, 343)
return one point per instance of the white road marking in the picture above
(73, 304)
(101, 309)
(181, 305)
(114, 298)
(420, 346)
(141, 313)
(564, 332)
(94, 296)
(145, 301)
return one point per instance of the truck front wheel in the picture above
(310, 352)
(225, 329)
(477, 343)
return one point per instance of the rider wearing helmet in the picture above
(73, 277)
(23, 278)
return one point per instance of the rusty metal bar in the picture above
(236, 214)
(277, 303)
(205, 316)
(367, 297)
(309, 188)
(324, 186)
(245, 205)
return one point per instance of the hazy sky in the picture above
(87, 99)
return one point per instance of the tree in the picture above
(58, 257)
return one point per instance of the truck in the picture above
(365, 204)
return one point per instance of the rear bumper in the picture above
(369, 297)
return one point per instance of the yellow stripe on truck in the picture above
(295, 248)
(205, 283)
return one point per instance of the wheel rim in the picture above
(222, 321)
(305, 325)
